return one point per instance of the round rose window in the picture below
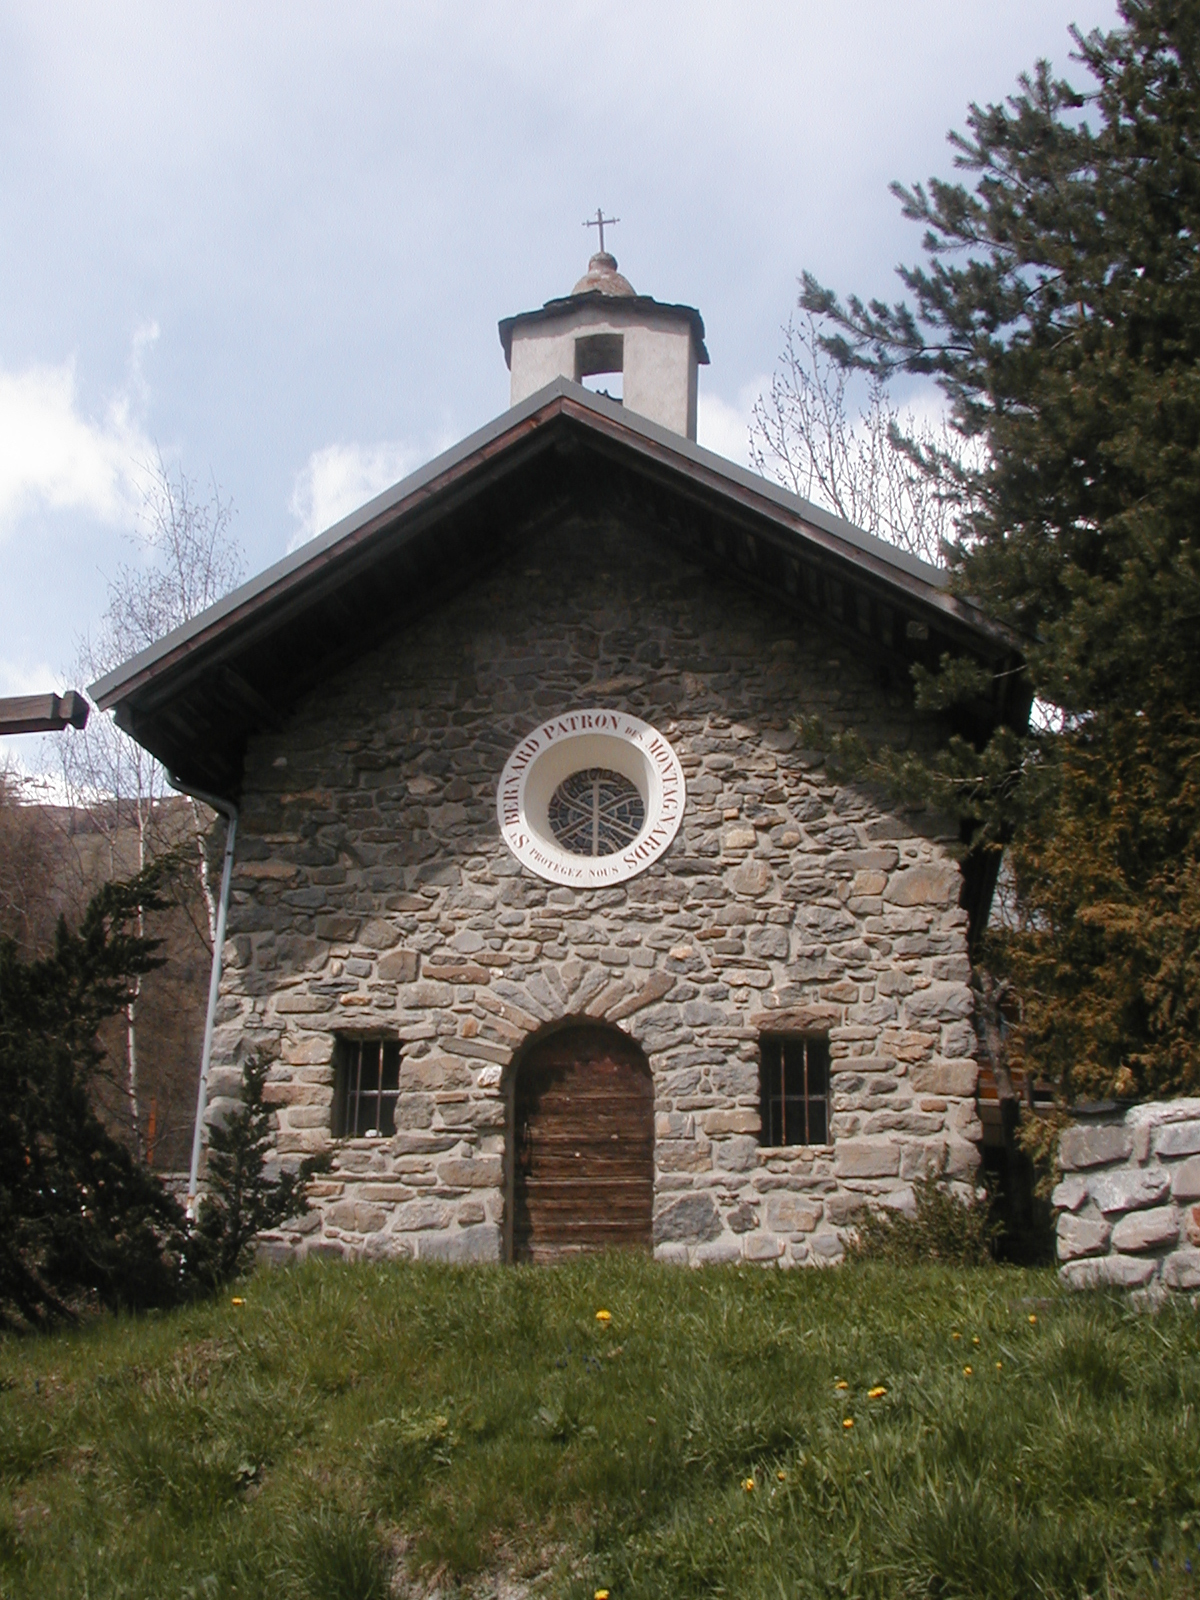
(591, 797)
(594, 812)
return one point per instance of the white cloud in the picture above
(339, 478)
(724, 427)
(54, 457)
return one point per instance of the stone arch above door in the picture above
(582, 1144)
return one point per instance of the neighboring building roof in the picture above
(195, 697)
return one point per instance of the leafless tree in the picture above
(187, 559)
(30, 849)
(886, 472)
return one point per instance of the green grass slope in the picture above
(350, 1432)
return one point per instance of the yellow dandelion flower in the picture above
(956, 1335)
(967, 1370)
(847, 1422)
(877, 1393)
(237, 1300)
(975, 1340)
(604, 1316)
(781, 1475)
(600, 1594)
(748, 1485)
(841, 1384)
(999, 1366)
(1032, 1317)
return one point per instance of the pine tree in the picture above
(1058, 307)
(241, 1197)
(80, 1220)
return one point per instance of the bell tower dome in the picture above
(605, 328)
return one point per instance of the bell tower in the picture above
(649, 352)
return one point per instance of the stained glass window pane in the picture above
(595, 812)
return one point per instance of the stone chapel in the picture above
(555, 934)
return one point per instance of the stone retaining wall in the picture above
(1129, 1200)
(373, 895)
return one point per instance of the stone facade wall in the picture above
(372, 895)
(1127, 1203)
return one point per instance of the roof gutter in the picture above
(230, 812)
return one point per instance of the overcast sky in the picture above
(272, 241)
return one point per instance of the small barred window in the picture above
(794, 1090)
(366, 1086)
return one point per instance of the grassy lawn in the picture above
(347, 1429)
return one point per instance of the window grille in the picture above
(596, 812)
(794, 1089)
(367, 1083)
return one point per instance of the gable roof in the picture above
(195, 697)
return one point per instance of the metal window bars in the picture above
(794, 1090)
(367, 1087)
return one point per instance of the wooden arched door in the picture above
(583, 1158)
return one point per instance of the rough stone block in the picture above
(434, 1072)
(655, 987)
(325, 1247)
(424, 995)
(866, 1158)
(1146, 1230)
(1101, 1272)
(826, 1245)
(1069, 1194)
(484, 1172)
(791, 1213)
(1178, 1139)
(1131, 1189)
(1083, 1146)
(762, 1247)
(420, 1216)
(1181, 1269)
(1185, 1180)
(736, 1120)
(1191, 1224)
(1081, 1236)
(752, 878)
(940, 1002)
(399, 967)
(684, 1155)
(369, 1219)
(386, 1247)
(306, 1050)
(738, 1153)
(717, 1253)
(479, 1242)
(307, 1116)
(924, 886)
(377, 934)
(946, 1077)
(693, 1220)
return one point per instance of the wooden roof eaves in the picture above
(275, 594)
(301, 578)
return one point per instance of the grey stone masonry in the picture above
(374, 897)
(1128, 1211)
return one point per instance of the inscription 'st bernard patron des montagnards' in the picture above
(590, 798)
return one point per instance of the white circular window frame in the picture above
(572, 743)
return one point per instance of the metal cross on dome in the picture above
(601, 221)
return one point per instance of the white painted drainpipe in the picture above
(230, 812)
